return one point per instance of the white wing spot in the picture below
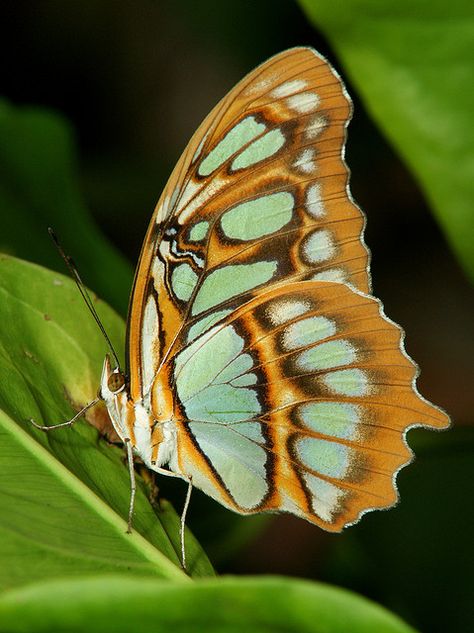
(303, 103)
(332, 274)
(314, 202)
(199, 147)
(319, 247)
(261, 86)
(285, 310)
(201, 196)
(162, 210)
(187, 193)
(305, 161)
(149, 339)
(327, 497)
(315, 127)
(289, 88)
(166, 208)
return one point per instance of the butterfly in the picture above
(260, 369)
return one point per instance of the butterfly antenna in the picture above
(83, 290)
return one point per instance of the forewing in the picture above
(259, 196)
(299, 401)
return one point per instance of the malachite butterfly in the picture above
(259, 366)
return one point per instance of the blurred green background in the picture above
(101, 98)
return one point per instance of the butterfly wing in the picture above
(299, 401)
(249, 322)
(259, 196)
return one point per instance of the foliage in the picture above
(40, 189)
(64, 495)
(119, 604)
(412, 64)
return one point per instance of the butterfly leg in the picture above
(169, 473)
(69, 422)
(183, 522)
(133, 487)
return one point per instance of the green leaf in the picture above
(227, 605)
(38, 188)
(413, 66)
(64, 494)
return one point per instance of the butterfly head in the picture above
(113, 391)
(113, 381)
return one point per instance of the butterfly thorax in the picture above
(148, 424)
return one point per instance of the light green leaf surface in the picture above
(228, 605)
(63, 495)
(413, 65)
(39, 188)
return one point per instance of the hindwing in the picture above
(299, 401)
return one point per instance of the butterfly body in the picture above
(259, 366)
(152, 433)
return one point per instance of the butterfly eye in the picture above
(116, 382)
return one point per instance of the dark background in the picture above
(135, 79)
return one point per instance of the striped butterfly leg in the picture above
(299, 401)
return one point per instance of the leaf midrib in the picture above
(95, 503)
